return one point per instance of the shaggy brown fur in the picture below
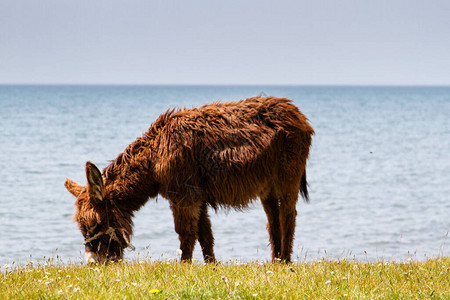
(217, 155)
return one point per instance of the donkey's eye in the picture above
(92, 228)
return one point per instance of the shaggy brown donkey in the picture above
(217, 155)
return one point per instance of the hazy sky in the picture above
(225, 42)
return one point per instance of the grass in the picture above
(322, 279)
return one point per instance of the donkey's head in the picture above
(103, 240)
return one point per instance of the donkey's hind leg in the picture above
(271, 207)
(205, 235)
(288, 213)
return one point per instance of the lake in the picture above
(378, 173)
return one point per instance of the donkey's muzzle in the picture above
(94, 258)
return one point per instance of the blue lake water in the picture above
(379, 171)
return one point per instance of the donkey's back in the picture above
(227, 154)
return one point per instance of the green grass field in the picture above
(323, 279)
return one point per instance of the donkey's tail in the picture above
(304, 187)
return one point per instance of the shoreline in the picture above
(170, 279)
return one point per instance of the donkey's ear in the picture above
(73, 187)
(95, 185)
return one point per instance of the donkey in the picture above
(221, 155)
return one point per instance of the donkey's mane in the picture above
(140, 144)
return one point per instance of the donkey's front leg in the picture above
(205, 235)
(186, 225)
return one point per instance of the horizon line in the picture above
(222, 85)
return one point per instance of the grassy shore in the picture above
(320, 279)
